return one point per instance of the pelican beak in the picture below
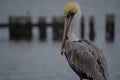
(66, 28)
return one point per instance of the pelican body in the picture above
(85, 58)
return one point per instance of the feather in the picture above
(86, 59)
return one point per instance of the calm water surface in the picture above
(35, 60)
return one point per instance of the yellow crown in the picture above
(71, 6)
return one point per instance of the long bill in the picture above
(66, 29)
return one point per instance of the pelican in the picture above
(85, 58)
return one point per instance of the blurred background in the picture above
(31, 32)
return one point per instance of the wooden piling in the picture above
(12, 24)
(91, 28)
(82, 23)
(42, 28)
(20, 28)
(110, 27)
(58, 25)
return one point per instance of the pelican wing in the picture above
(101, 61)
(86, 59)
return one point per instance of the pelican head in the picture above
(72, 17)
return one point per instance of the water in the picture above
(35, 60)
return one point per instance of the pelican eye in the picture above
(70, 14)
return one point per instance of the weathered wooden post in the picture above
(20, 28)
(42, 28)
(28, 30)
(82, 27)
(11, 28)
(110, 27)
(58, 25)
(91, 30)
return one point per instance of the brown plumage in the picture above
(86, 60)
